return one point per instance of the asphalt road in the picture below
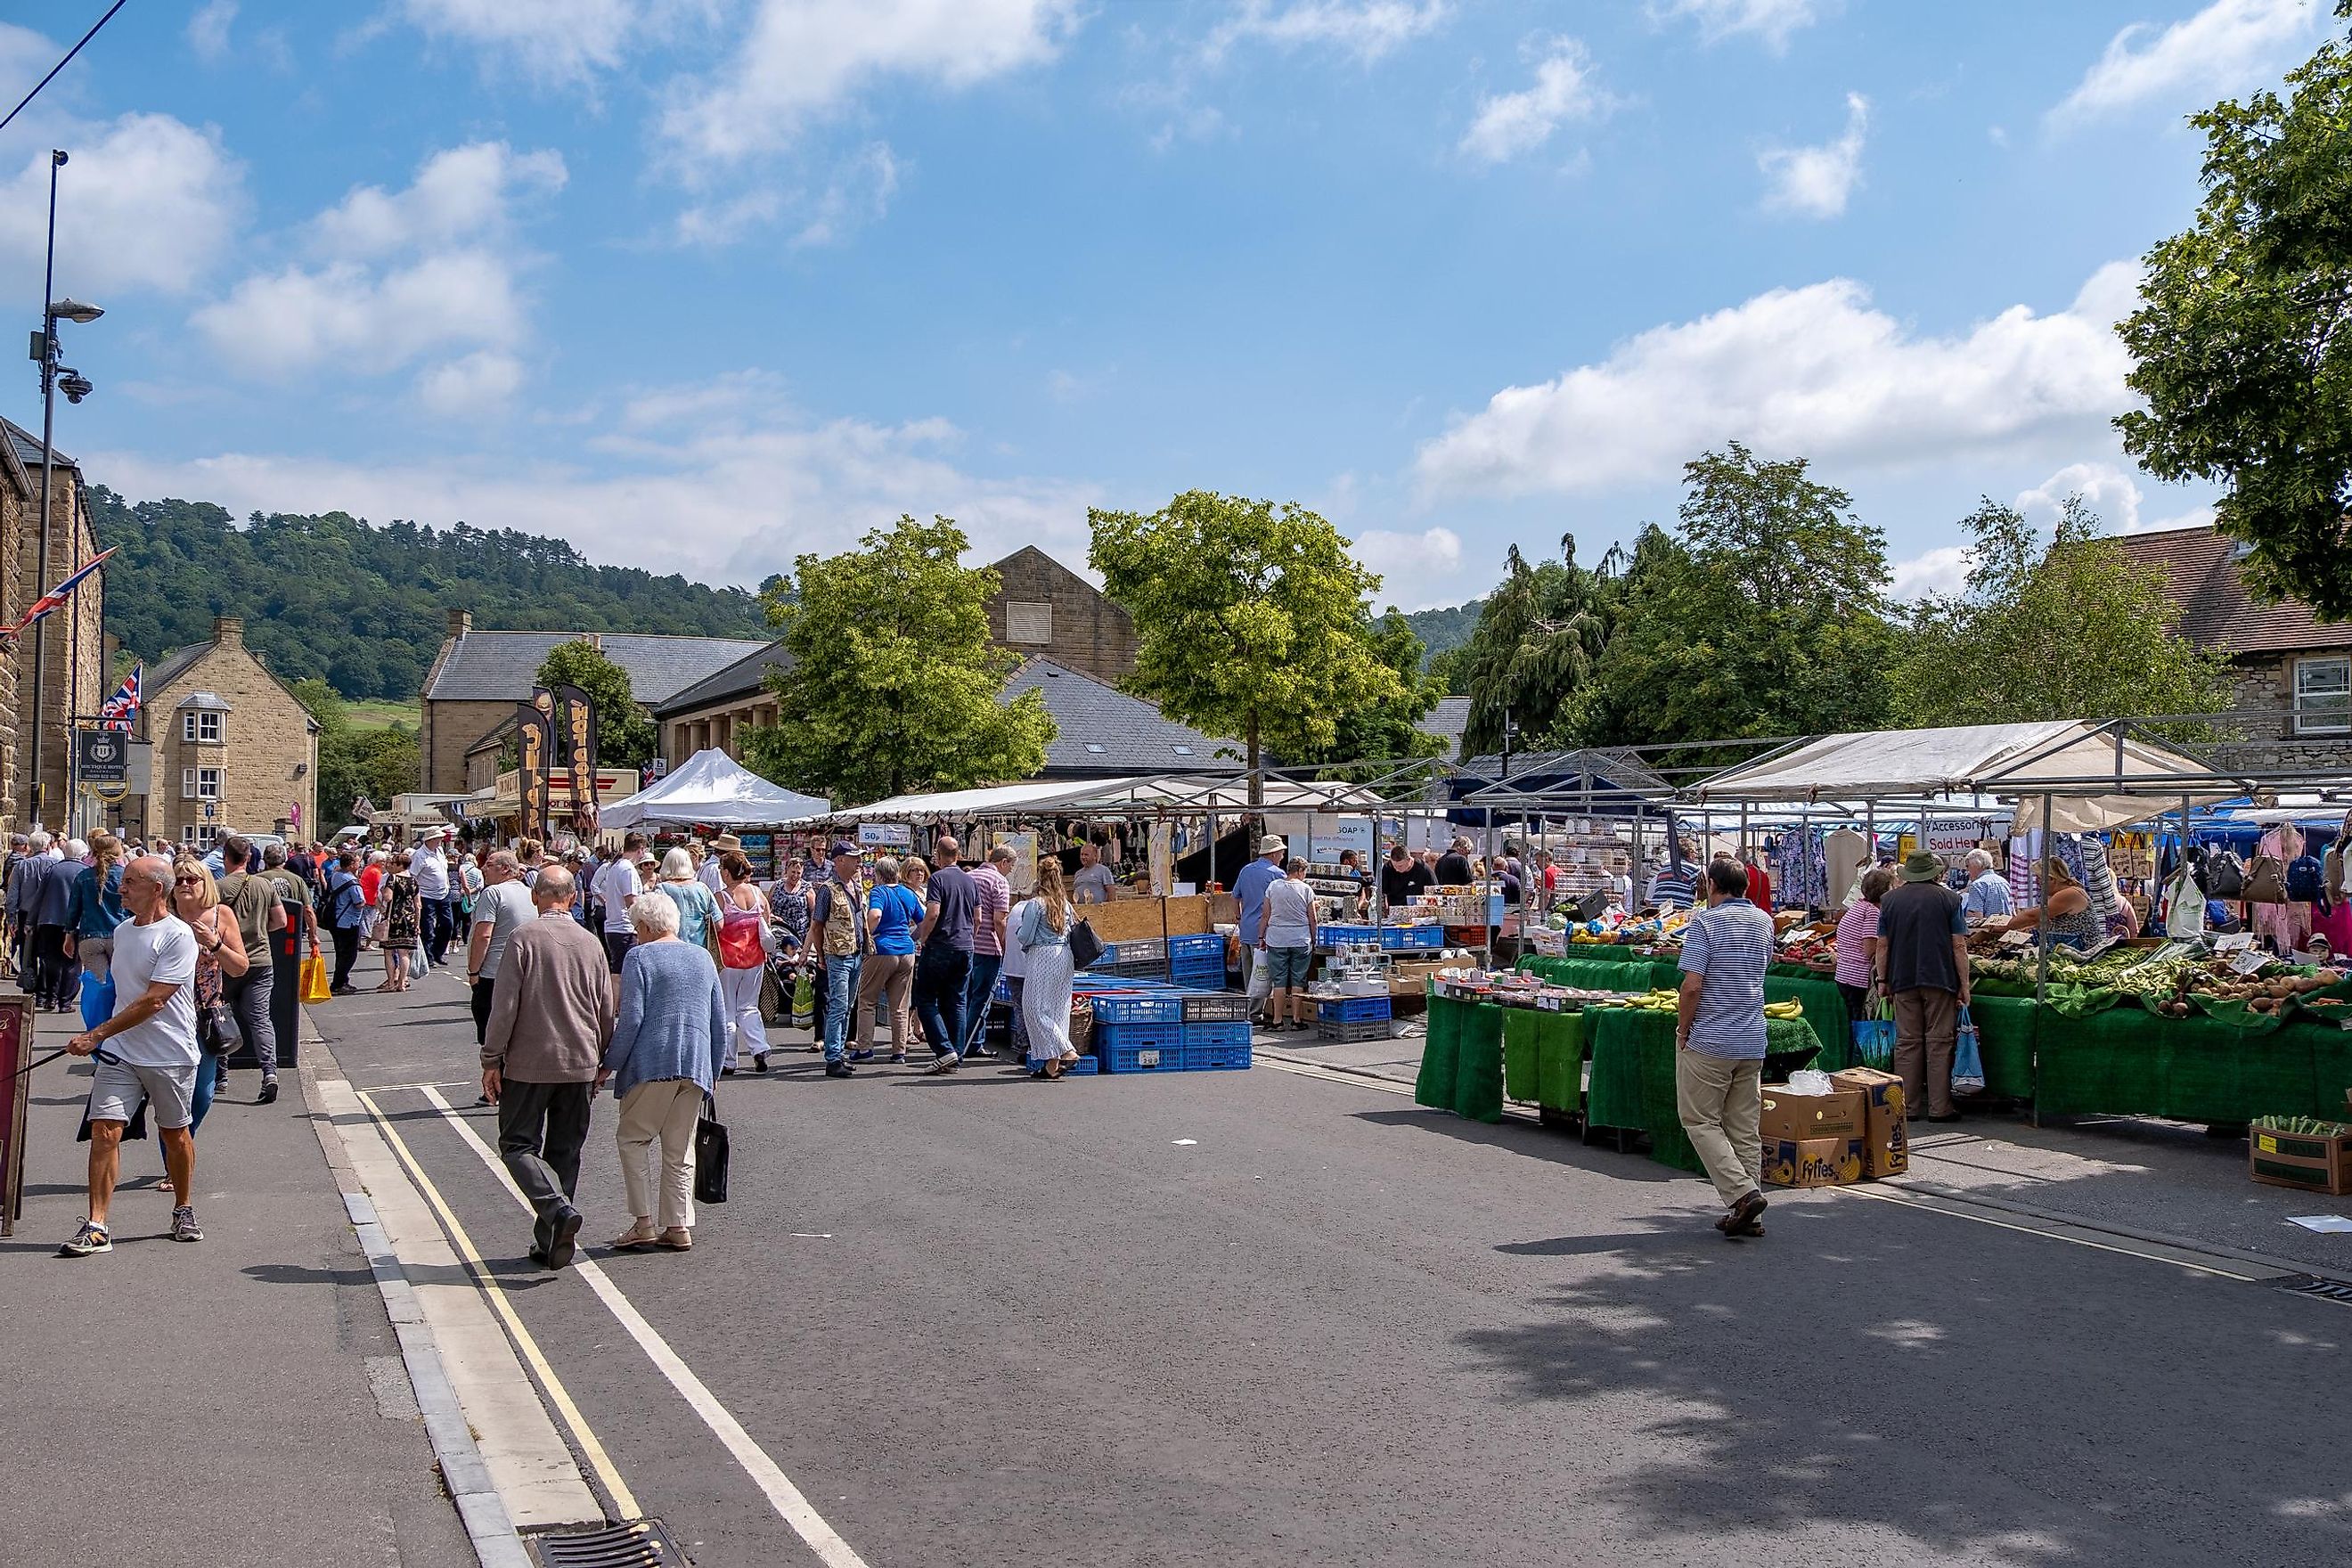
(1268, 1318)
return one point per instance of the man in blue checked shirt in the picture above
(1719, 1044)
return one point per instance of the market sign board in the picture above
(887, 834)
(1331, 832)
(1949, 835)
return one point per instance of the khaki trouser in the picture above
(1926, 1023)
(1720, 1103)
(891, 975)
(665, 1108)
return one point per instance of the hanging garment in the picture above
(1843, 853)
(2107, 906)
(2286, 926)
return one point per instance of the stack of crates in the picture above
(1354, 1019)
(1411, 938)
(1197, 963)
(1155, 1029)
(1216, 1032)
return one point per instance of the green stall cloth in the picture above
(1561, 1044)
(1634, 1073)
(1478, 1072)
(1825, 1006)
(1522, 1052)
(2005, 1030)
(1479, 1054)
(2127, 1062)
(1441, 1053)
(1629, 973)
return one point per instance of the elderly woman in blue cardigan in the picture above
(668, 1042)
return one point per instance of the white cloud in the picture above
(1407, 561)
(1817, 371)
(858, 193)
(803, 58)
(1944, 571)
(553, 40)
(147, 202)
(479, 384)
(2106, 488)
(1770, 20)
(1518, 123)
(2228, 44)
(1817, 180)
(1365, 29)
(461, 193)
(350, 315)
(208, 29)
(727, 496)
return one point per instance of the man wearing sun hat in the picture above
(1250, 888)
(1923, 970)
(708, 871)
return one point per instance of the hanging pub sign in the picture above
(578, 743)
(534, 746)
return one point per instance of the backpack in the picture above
(2225, 878)
(2302, 885)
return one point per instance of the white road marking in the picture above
(2054, 1232)
(1310, 1070)
(766, 1474)
(606, 1471)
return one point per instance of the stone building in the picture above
(721, 709)
(479, 677)
(1044, 610)
(67, 649)
(2294, 671)
(232, 750)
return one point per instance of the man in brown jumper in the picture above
(550, 1015)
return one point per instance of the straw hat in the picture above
(725, 842)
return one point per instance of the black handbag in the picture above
(1085, 947)
(216, 1029)
(709, 1155)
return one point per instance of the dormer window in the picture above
(201, 726)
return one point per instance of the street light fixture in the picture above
(55, 377)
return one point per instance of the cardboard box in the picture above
(1886, 1143)
(1792, 1118)
(1811, 1162)
(2307, 1162)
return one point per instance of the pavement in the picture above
(1279, 1317)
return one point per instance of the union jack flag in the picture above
(56, 597)
(119, 710)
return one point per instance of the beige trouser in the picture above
(665, 1108)
(1721, 1102)
(891, 975)
(1927, 1032)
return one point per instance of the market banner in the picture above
(578, 745)
(534, 746)
(1949, 835)
(16, 1086)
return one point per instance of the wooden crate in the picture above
(2305, 1161)
(1140, 920)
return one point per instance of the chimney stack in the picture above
(460, 622)
(228, 631)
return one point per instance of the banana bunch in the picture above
(1667, 1001)
(1784, 1009)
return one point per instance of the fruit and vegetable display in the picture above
(1667, 1001)
(2166, 979)
(2301, 1126)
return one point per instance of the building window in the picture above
(200, 783)
(1027, 622)
(2323, 696)
(198, 833)
(200, 727)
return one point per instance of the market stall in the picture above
(711, 789)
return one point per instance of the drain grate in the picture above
(2326, 1290)
(640, 1543)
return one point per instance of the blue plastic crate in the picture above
(1216, 1007)
(1236, 1033)
(1411, 938)
(1140, 1047)
(1344, 936)
(1211, 944)
(1084, 1067)
(1095, 982)
(1354, 1009)
(1217, 1058)
(1199, 976)
(1116, 1007)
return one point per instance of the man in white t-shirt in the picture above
(430, 867)
(147, 1050)
(616, 883)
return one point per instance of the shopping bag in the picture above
(803, 1002)
(1873, 1038)
(1968, 1064)
(97, 999)
(1085, 947)
(314, 978)
(709, 1155)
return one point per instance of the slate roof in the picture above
(1447, 721)
(174, 663)
(499, 667)
(1133, 736)
(747, 677)
(27, 446)
(2210, 598)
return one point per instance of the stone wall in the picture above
(267, 756)
(446, 732)
(70, 643)
(1045, 610)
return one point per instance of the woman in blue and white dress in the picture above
(1043, 936)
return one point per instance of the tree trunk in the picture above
(1256, 779)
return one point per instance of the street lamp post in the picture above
(77, 386)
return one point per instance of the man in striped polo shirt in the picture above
(1719, 1044)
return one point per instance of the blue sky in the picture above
(700, 284)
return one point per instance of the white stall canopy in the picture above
(714, 788)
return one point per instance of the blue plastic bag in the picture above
(1968, 1063)
(97, 999)
(1874, 1040)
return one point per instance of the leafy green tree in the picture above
(377, 764)
(1765, 614)
(626, 732)
(2244, 356)
(1539, 634)
(894, 683)
(1389, 731)
(1248, 619)
(2071, 629)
